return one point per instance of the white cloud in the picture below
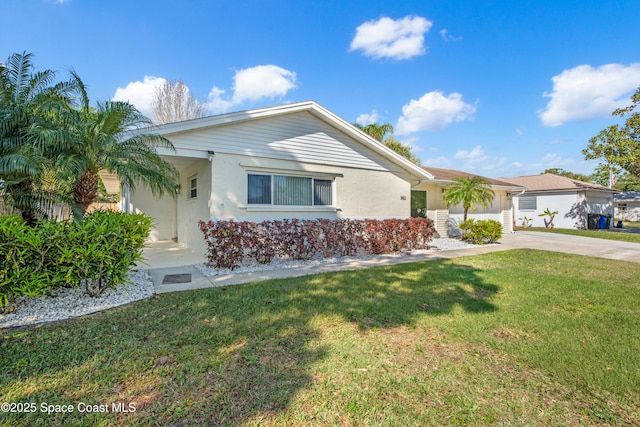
(585, 92)
(438, 162)
(253, 84)
(388, 38)
(366, 119)
(433, 111)
(140, 93)
(447, 37)
(475, 155)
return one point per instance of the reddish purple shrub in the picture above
(231, 242)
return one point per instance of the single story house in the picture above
(448, 219)
(290, 161)
(574, 200)
(627, 206)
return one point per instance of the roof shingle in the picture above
(552, 182)
(452, 174)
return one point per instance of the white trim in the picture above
(310, 106)
(190, 189)
(287, 208)
(291, 172)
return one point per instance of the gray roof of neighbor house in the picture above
(452, 174)
(628, 196)
(552, 182)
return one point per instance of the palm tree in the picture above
(27, 100)
(470, 192)
(109, 138)
(375, 130)
(378, 131)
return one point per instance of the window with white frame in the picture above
(193, 187)
(528, 203)
(284, 190)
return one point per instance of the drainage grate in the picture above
(176, 278)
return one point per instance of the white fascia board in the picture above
(310, 106)
(370, 142)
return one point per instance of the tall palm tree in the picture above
(27, 100)
(111, 137)
(470, 192)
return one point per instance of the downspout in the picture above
(513, 209)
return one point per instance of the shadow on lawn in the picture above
(228, 355)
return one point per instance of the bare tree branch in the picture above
(173, 102)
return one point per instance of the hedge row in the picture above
(96, 252)
(230, 242)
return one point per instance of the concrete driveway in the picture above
(171, 260)
(601, 248)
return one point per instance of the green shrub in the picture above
(481, 232)
(96, 252)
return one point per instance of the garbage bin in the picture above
(602, 223)
(592, 221)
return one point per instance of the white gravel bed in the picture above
(443, 244)
(73, 302)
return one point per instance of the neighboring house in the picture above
(297, 160)
(448, 218)
(574, 200)
(627, 206)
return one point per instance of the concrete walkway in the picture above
(172, 269)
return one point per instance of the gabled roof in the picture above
(551, 182)
(451, 174)
(308, 106)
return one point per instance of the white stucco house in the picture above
(290, 161)
(627, 206)
(576, 201)
(500, 210)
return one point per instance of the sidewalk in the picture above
(176, 277)
(172, 269)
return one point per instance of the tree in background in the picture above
(620, 145)
(470, 192)
(379, 131)
(624, 181)
(173, 102)
(375, 130)
(572, 175)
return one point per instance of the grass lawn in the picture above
(600, 234)
(512, 338)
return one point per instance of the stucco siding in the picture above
(630, 212)
(358, 193)
(162, 211)
(570, 206)
(191, 210)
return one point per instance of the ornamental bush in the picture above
(482, 231)
(96, 252)
(230, 243)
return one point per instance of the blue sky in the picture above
(498, 88)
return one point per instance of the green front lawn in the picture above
(512, 338)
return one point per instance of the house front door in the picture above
(418, 204)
